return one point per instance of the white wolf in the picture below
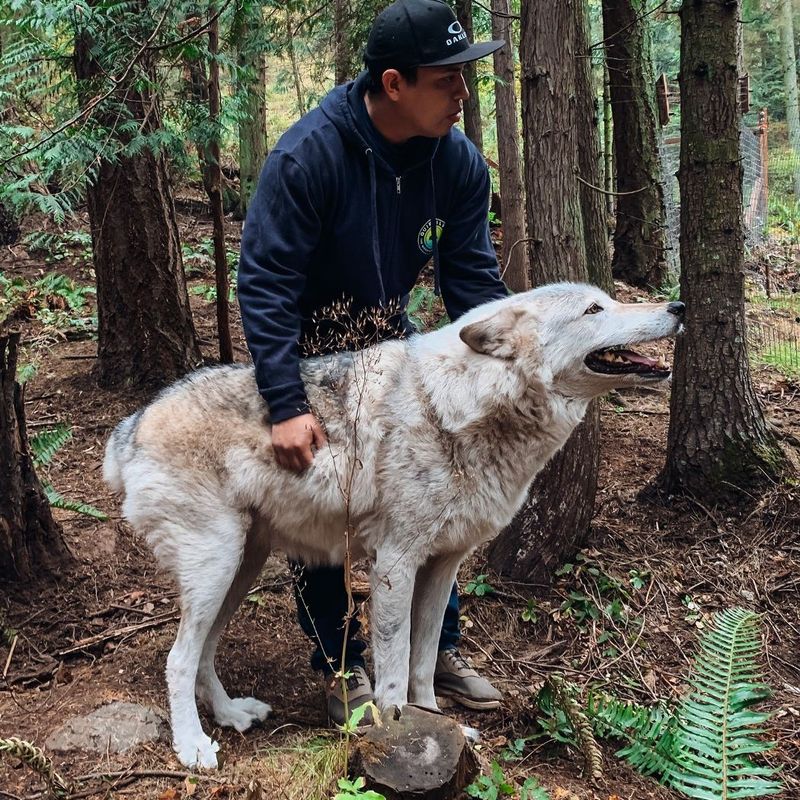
(441, 434)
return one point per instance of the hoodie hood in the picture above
(346, 109)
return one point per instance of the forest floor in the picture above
(626, 615)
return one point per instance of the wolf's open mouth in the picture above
(615, 361)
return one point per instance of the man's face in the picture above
(432, 105)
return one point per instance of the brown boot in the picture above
(454, 677)
(359, 692)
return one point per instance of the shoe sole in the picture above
(468, 702)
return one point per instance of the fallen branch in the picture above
(119, 633)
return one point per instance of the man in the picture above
(352, 203)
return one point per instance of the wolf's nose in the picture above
(677, 308)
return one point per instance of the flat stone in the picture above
(113, 728)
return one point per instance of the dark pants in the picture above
(321, 597)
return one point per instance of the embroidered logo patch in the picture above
(424, 237)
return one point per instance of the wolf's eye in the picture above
(593, 309)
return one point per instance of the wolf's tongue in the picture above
(635, 358)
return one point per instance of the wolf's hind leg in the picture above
(240, 712)
(433, 585)
(208, 557)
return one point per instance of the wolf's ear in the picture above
(496, 335)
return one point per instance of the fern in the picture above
(649, 732)
(703, 748)
(47, 443)
(58, 501)
(716, 730)
(44, 446)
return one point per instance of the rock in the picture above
(113, 728)
(415, 754)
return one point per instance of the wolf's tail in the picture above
(119, 451)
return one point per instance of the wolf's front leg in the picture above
(433, 585)
(392, 589)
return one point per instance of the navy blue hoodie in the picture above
(340, 213)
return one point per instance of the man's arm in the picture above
(470, 274)
(280, 233)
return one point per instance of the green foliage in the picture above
(496, 785)
(491, 786)
(43, 298)
(26, 372)
(717, 730)
(784, 356)
(44, 445)
(354, 790)
(61, 245)
(702, 748)
(479, 586)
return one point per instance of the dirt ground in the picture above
(102, 630)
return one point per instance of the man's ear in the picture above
(495, 336)
(391, 79)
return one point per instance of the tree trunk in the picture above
(214, 189)
(515, 251)
(473, 126)
(718, 439)
(252, 84)
(31, 543)
(639, 255)
(145, 330)
(555, 519)
(598, 265)
(341, 49)
(789, 67)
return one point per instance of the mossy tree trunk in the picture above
(718, 439)
(639, 256)
(473, 124)
(31, 543)
(555, 519)
(515, 252)
(145, 331)
(252, 86)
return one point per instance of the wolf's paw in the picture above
(241, 713)
(197, 752)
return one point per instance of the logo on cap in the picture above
(455, 28)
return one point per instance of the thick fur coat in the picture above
(433, 443)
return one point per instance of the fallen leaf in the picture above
(170, 793)
(191, 785)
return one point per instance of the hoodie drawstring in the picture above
(376, 249)
(435, 238)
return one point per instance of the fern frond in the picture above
(46, 443)
(716, 731)
(58, 501)
(648, 732)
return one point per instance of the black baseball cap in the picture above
(421, 33)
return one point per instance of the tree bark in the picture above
(639, 255)
(473, 125)
(555, 518)
(598, 265)
(31, 542)
(252, 83)
(215, 194)
(718, 439)
(145, 329)
(789, 67)
(341, 49)
(515, 253)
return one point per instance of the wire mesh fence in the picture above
(771, 216)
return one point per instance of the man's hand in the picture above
(293, 440)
